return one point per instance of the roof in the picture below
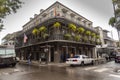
(50, 7)
(106, 30)
(11, 36)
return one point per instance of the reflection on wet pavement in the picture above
(27, 72)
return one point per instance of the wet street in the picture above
(108, 71)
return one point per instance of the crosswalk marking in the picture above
(113, 75)
(16, 70)
(5, 73)
(101, 70)
(89, 68)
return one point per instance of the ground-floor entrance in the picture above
(55, 52)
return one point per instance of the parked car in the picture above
(117, 58)
(80, 60)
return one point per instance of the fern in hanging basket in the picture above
(85, 39)
(97, 37)
(67, 36)
(80, 30)
(57, 25)
(93, 34)
(77, 38)
(42, 29)
(72, 27)
(35, 31)
(45, 35)
(88, 33)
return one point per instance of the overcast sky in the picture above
(97, 11)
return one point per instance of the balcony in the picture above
(56, 37)
(71, 17)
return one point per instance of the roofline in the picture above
(53, 5)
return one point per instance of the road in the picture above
(52, 72)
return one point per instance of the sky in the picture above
(97, 11)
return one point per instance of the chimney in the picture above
(35, 15)
(41, 10)
(31, 18)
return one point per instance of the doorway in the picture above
(52, 54)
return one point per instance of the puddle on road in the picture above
(11, 72)
(117, 70)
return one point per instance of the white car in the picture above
(80, 60)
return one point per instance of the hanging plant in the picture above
(45, 35)
(80, 30)
(42, 29)
(93, 34)
(57, 25)
(77, 38)
(85, 39)
(98, 43)
(35, 31)
(72, 27)
(67, 36)
(97, 36)
(88, 33)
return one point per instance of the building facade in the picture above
(108, 45)
(57, 33)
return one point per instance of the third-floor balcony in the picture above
(42, 18)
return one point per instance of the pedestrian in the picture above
(71, 55)
(29, 58)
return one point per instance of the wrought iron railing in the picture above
(54, 37)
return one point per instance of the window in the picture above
(51, 14)
(76, 56)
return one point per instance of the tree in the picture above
(112, 21)
(8, 7)
(1, 27)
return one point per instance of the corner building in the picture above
(57, 33)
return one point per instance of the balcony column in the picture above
(94, 53)
(49, 54)
(57, 54)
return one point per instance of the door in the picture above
(52, 54)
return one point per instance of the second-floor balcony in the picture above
(59, 38)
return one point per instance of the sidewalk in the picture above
(36, 63)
